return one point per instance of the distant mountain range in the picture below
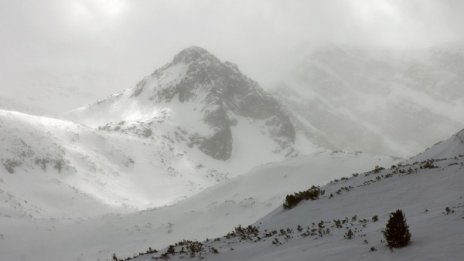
(380, 101)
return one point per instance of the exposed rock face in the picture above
(219, 94)
(223, 91)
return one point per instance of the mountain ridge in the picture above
(214, 93)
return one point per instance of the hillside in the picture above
(210, 213)
(430, 192)
(78, 171)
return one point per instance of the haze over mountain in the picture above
(325, 91)
(377, 100)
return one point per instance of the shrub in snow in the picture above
(338, 223)
(245, 233)
(428, 165)
(10, 165)
(171, 250)
(448, 211)
(377, 169)
(397, 231)
(349, 234)
(292, 200)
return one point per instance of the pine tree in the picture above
(349, 234)
(397, 231)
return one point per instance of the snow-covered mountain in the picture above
(445, 149)
(346, 220)
(197, 101)
(191, 145)
(386, 101)
(192, 124)
(182, 129)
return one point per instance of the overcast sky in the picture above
(96, 47)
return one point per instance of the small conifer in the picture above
(397, 231)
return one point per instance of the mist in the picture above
(92, 48)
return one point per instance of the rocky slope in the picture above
(199, 101)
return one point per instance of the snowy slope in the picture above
(446, 149)
(65, 169)
(377, 100)
(211, 213)
(40, 160)
(430, 193)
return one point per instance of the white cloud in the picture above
(128, 39)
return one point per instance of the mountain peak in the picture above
(194, 54)
(197, 85)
